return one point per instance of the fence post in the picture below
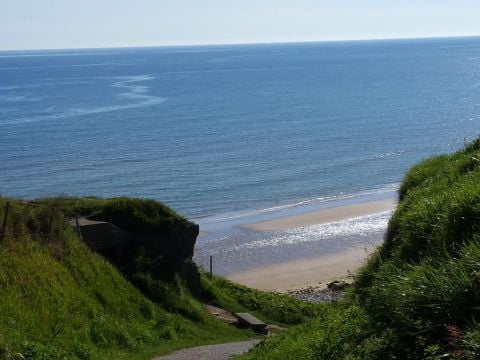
(5, 219)
(79, 231)
(50, 226)
(211, 266)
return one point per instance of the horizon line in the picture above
(245, 43)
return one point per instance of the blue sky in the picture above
(40, 24)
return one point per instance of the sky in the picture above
(54, 24)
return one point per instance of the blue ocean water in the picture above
(221, 129)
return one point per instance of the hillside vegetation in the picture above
(61, 300)
(417, 298)
(419, 295)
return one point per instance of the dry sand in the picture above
(301, 273)
(324, 216)
(203, 233)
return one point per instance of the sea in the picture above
(229, 131)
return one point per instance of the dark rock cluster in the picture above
(319, 294)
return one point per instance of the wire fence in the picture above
(54, 210)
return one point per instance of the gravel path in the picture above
(211, 352)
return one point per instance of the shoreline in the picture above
(300, 250)
(223, 224)
(323, 216)
(303, 273)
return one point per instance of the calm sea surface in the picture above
(220, 129)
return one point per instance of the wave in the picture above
(383, 156)
(60, 66)
(358, 226)
(384, 189)
(268, 68)
(138, 93)
(16, 99)
(48, 82)
(13, 87)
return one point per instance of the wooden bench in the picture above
(246, 320)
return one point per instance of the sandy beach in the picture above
(324, 216)
(301, 273)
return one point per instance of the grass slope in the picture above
(419, 295)
(273, 308)
(60, 300)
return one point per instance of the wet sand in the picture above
(202, 233)
(324, 216)
(301, 273)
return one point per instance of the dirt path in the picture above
(211, 352)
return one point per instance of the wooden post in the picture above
(5, 219)
(211, 266)
(50, 225)
(79, 231)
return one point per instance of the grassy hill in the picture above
(417, 298)
(61, 300)
(419, 295)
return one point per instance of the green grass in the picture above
(60, 300)
(140, 216)
(417, 298)
(270, 307)
(338, 332)
(143, 216)
(419, 295)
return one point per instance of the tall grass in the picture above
(60, 300)
(419, 295)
